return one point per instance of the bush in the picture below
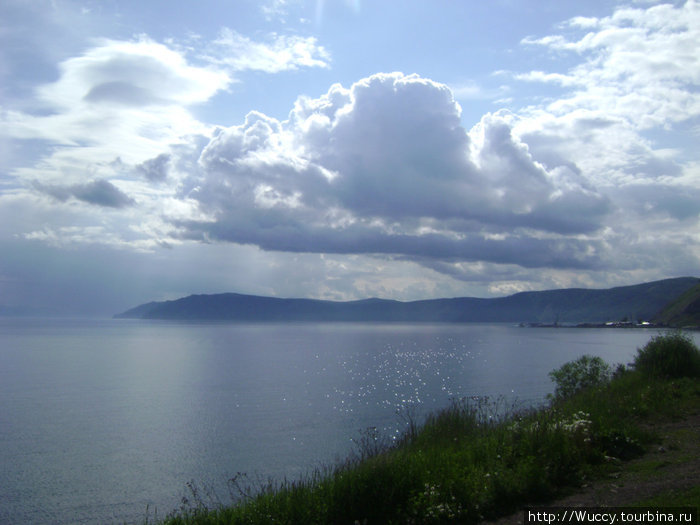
(585, 372)
(670, 355)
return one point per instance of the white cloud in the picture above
(137, 73)
(119, 99)
(638, 64)
(274, 9)
(637, 79)
(132, 99)
(470, 90)
(541, 76)
(385, 167)
(282, 53)
(636, 83)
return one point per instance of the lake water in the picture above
(102, 419)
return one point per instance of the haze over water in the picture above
(101, 419)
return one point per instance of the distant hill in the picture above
(683, 311)
(573, 305)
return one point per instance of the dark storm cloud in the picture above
(386, 167)
(97, 192)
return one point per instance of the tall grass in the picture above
(473, 460)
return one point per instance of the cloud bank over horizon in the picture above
(377, 185)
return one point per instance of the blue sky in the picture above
(343, 149)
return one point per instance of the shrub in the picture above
(669, 355)
(585, 372)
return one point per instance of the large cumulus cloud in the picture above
(385, 167)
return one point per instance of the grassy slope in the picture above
(668, 475)
(683, 311)
(464, 465)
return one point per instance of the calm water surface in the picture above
(102, 419)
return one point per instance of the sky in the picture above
(343, 149)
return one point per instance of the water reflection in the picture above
(101, 418)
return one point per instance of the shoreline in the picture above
(467, 464)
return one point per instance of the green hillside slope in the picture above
(683, 311)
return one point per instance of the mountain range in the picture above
(567, 306)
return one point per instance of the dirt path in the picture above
(673, 465)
